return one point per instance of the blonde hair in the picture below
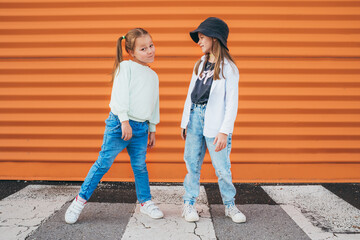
(130, 39)
(220, 53)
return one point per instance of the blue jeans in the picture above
(111, 147)
(195, 147)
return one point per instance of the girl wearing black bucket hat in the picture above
(208, 118)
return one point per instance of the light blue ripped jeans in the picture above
(195, 147)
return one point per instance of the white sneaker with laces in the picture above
(235, 214)
(189, 213)
(149, 208)
(73, 212)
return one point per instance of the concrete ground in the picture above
(35, 210)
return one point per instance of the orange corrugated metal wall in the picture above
(299, 112)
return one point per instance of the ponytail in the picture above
(118, 57)
(129, 45)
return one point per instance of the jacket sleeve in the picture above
(187, 105)
(231, 98)
(120, 92)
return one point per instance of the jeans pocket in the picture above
(229, 140)
(139, 128)
(192, 108)
(112, 123)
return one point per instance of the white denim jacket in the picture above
(222, 106)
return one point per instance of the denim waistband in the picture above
(201, 105)
(111, 113)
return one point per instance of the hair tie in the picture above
(123, 37)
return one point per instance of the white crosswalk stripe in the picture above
(172, 226)
(23, 212)
(315, 209)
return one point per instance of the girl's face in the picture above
(205, 43)
(144, 50)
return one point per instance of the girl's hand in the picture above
(151, 142)
(126, 130)
(183, 134)
(220, 141)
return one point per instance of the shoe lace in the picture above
(233, 210)
(188, 208)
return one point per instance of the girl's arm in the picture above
(231, 98)
(220, 141)
(120, 92)
(231, 106)
(187, 105)
(151, 142)
(155, 117)
(120, 99)
(126, 130)
(183, 133)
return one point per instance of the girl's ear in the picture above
(131, 53)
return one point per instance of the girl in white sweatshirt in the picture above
(131, 124)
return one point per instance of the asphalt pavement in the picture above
(35, 210)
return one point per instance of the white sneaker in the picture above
(149, 208)
(73, 212)
(189, 213)
(235, 214)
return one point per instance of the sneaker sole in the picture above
(192, 220)
(235, 221)
(189, 220)
(70, 222)
(151, 216)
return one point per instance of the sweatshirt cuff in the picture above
(123, 117)
(225, 130)
(152, 127)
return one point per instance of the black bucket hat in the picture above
(212, 27)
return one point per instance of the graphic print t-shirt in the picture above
(201, 91)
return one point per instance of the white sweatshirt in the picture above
(135, 94)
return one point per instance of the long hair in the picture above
(220, 53)
(130, 39)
